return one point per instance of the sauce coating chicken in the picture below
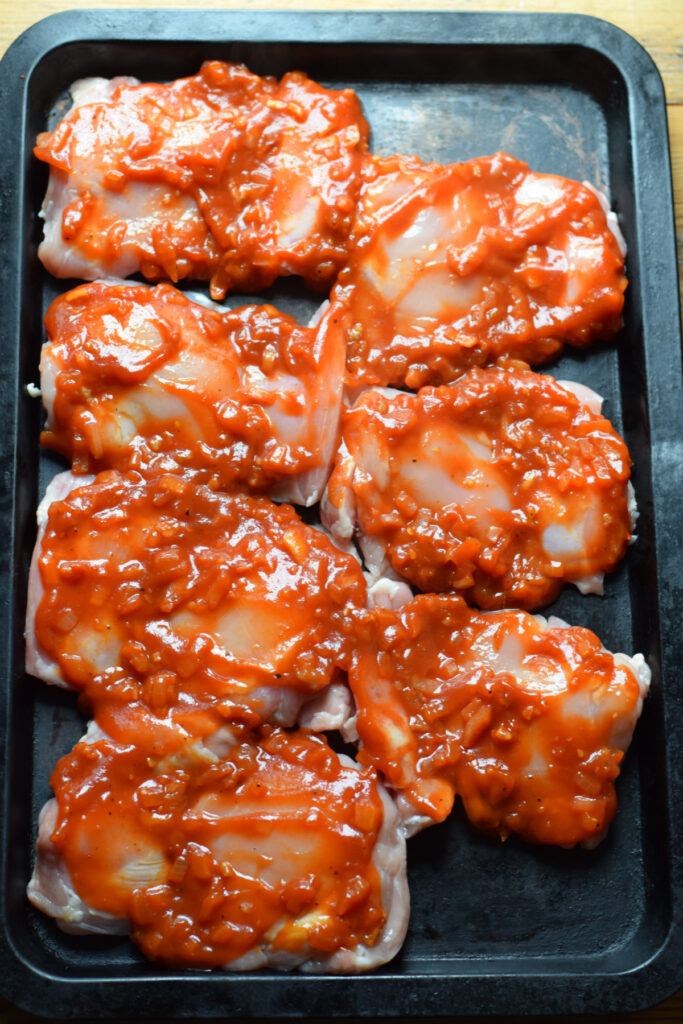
(142, 378)
(502, 486)
(223, 176)
(201, 627)
(526, 720)
(480, 260)
(385, 181)
(239, 853)
(174, 609)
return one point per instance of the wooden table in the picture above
(657, 24)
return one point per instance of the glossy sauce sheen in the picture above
(174, 609)
(526, 724)
(206, 177)
(478, 260)
(502, 486)
(144, 379)
(208, 858)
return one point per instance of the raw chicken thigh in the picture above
(480, 260)
(264, 850)
(142, 378)
(526, 720)
(174, 609)
(502, 486)
(223, 176)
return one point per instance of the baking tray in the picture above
(495, 928)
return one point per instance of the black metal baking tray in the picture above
(495, 928)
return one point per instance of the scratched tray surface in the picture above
(494, 927)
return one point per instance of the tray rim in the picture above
(662, 974)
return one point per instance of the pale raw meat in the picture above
(329, 711)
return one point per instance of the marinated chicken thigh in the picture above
(526, 720)
(503, 486)
(237, 852)
(174, 609)
(480, 260)
(142, 378)
(223, 176)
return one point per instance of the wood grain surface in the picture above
(656, 24)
